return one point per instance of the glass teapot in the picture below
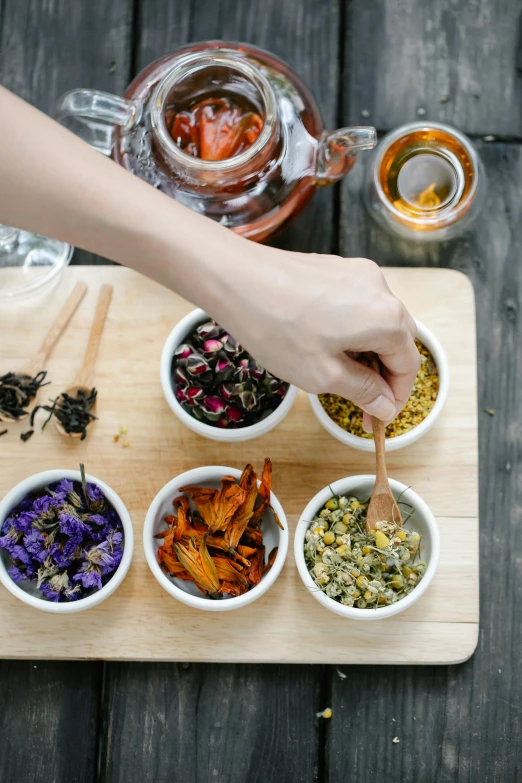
(254, 191)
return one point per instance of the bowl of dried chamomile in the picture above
(360, 574)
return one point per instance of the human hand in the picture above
(310, 319)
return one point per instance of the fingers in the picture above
(361, 385)
(410, 323)
(400, 368)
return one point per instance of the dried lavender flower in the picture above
(66, 538)
(219, 383)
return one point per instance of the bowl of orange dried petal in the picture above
(216, 538)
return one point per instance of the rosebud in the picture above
(197, 365)
(212, 346)
(208, 331)
(183, 350)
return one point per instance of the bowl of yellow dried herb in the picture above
(216, 538)
(215, 387)
(344, 420)
(365, 575)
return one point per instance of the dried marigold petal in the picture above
(264, 489)
(229, 588)
(245, 511)
(255, 572)
(181, 504)
(246, 551)
(190, 558)
(228, 571)
(271, 559)
(207, 563)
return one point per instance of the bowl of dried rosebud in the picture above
(66, 541)
(215, 387)
(344, 420)
(216, 538)
(361, 574)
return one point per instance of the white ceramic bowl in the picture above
(177, 337)
(422, 521)
(428, 339)
(27, 592)
(185, 591)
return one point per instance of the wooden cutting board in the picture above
(141, 621)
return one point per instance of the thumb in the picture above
(363, 386)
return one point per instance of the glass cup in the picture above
(425, 182)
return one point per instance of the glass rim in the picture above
(189, 65)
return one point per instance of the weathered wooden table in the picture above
(378, 61)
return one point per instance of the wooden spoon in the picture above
(84, 380)
(38, 361)
(383, 506)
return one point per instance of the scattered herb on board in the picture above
(121, 434)
(73, 413)
(219, 544)
(326, 713)
(17, 392)
(219, 383)
(66, 538)
(357, 568)
(3, 432)
(422, 399)
(26, 435)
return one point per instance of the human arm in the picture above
(302, 316)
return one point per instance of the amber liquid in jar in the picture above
(427, 176)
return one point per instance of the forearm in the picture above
(54, 184)
(301, 316)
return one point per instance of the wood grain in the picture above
(48, 47)
(290, 736)
(212, 722)
(456, 708)
(141, 316)
(48, 721)
(436, 60)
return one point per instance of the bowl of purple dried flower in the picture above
(66, 541)
(215, 387)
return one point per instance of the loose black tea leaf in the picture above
(3, 433)
(17, 392)
(73, 413)
(26, 435)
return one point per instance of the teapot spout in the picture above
(336, 153)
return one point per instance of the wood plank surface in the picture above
(46, 48)
(123, 627)
(289, 735)
(49, 721)
(456, 709)
(190, 723)
(457, 724)
(447, 61)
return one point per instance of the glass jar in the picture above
(425, 182)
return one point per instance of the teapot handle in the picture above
(336, 153)
(94, 115)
